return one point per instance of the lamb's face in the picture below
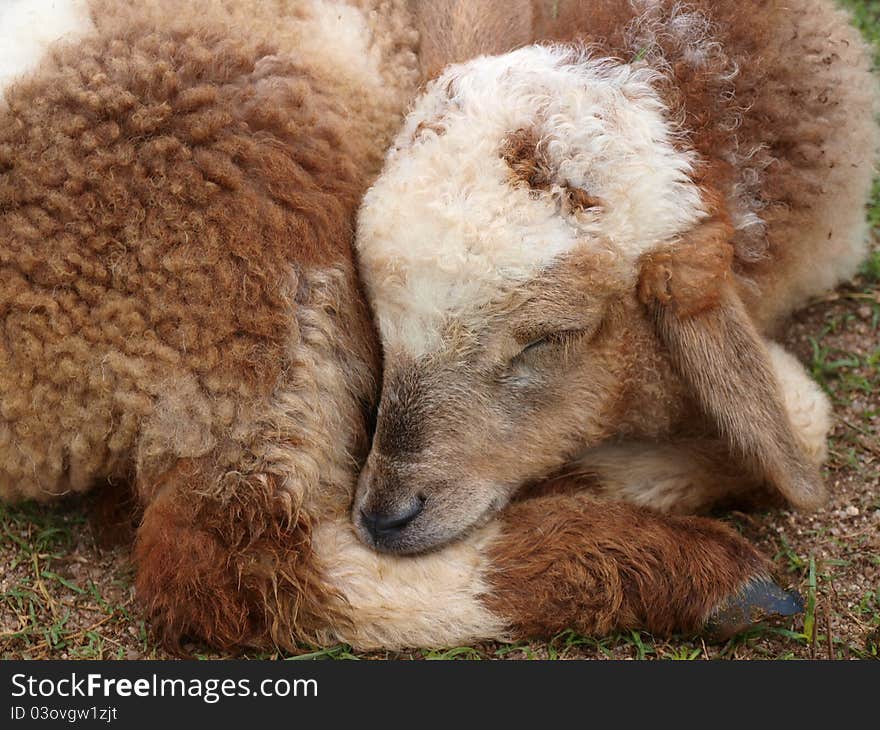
(499, 250)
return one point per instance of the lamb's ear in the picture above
(716, 349)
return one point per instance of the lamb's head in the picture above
(503, 249)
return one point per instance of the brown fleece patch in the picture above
(228, 573)
(529, 164)
(114, 514)
(581, 199)
(185, 580)
(527, 160)
(422, 127)
(453, 31)
(173, 189)
(571, 562)
(689, 275)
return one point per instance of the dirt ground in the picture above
(62, 596)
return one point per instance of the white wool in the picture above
(445, 228)
(403, 601)
(338, 36)
(29, 27)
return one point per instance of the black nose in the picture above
(383, 525)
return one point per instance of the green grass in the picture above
(866, 17)
(38, 601)
(843, 374)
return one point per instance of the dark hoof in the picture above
(758, 601)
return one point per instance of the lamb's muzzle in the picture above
(386, 526)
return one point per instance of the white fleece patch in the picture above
(399, 602)
(338, 36)
(29, 27)
(444, 226)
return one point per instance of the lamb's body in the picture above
(180, 311)
(162, 261)
(779, 96)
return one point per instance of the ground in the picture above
(63, 596)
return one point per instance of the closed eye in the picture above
(551, 339)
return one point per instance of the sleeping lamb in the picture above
(182, 314)
(576, 253)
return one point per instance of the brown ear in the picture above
(718, 352)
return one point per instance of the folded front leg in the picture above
(682, 476)
(231, 571)
(545, 565)
(566, 561)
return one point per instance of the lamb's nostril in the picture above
(389, 524)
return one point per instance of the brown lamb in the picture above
(182, 316)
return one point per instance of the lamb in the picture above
(578, 251)
(182, 316)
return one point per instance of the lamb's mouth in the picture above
(420, 534)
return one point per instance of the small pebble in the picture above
(864, 312)
(852, 511)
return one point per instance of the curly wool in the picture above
(177, 292)
(789, 164)
(179, 307)
(157, 186)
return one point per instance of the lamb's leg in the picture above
(693, 475)
(679, 477)
(231, 569)
(548, 564)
